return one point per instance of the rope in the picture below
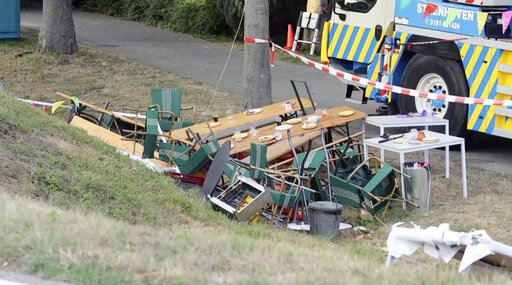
(225, 65)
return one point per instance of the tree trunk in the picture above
(257, 84)
(57, 32)
(324, 8)
(313, 6)
(325, 16)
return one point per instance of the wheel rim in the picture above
(432, 81)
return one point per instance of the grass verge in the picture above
(96, 77)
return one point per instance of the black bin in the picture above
(324, 218)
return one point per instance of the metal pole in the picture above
(300, 174)
(328, 164)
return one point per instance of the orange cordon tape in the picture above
(384, 86)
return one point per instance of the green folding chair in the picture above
(169, 101)
(287, 193)
(256, 167)
(373, 193)
(174, 152)
(314, 161)
(348, 160)
(258, 161)
(150, 139)
(189, 161)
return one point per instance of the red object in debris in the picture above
(187, 178)
(289, 38)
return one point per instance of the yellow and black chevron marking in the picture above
(481, 68)
(376, 66)
(397, 51)
(374, 72)
(353, 43)
(504, 79)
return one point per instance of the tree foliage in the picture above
(191, 16)
(232, 11)
(196, 16)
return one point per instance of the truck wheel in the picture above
(424, 73)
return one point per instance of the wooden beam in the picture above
(103, 110)
(113, 139)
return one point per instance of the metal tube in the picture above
(328, 164)
(301, 180)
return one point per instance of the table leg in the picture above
(447, 151)
(463, 163)
(447, 161)
(402, 160)
(363, 129)
(381, 150)
(365, 148)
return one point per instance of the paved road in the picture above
(203, 61)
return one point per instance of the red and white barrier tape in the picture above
(384, 86)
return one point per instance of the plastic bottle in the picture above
(429, 108)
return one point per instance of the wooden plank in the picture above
(141, 124)
(113, 139)
(244, 122)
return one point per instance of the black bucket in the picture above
(325, 218)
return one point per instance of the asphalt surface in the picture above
(203, 61)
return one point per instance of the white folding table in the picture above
(392, 121)
(444, 141)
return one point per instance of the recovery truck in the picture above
(455, 47)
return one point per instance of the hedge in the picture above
(191, 16)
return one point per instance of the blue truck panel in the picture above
(466, 21)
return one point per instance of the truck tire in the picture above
(423, 72)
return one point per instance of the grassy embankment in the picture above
(72, 209)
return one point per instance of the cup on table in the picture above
(414, 134)
(324, 113)
(278, 136)
(288, 106)
(407, 138)
(215, 118)
(229, 114)
(253, 131)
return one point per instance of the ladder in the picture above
(307, 20)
